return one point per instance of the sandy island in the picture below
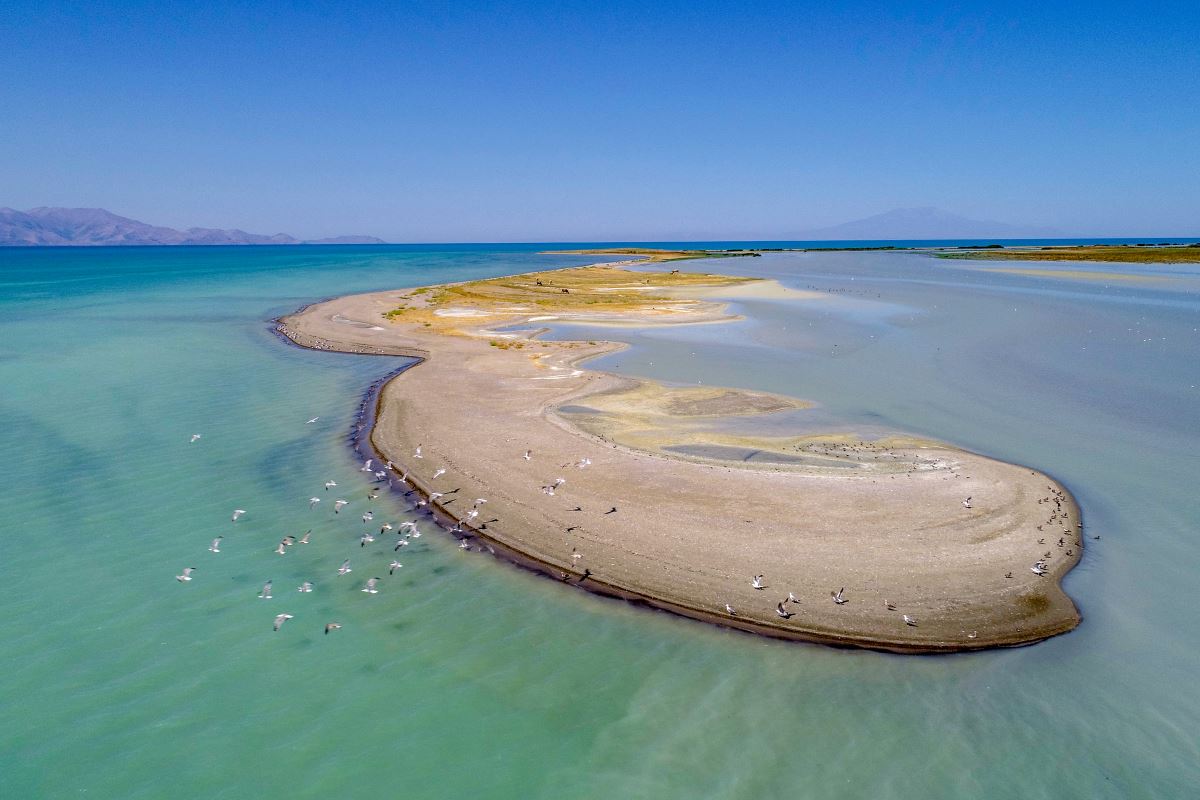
(696, 517)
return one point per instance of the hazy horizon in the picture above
(551, 122)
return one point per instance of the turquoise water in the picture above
(466, 677)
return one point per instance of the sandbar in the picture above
(674, 496)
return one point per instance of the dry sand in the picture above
(884, 519)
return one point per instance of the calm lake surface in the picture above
(464, 677)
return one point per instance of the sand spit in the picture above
(633, 489)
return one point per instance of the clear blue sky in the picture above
(593, 121)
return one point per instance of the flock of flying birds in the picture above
(407, 532)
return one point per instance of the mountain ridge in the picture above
(926, 222)
(98, 227)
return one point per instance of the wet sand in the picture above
(885, 518)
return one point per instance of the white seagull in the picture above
(909, 621)
(305, 587)
(439, 473)
(312, 502)
(280, 619)
(369, 588)
(216, 544)
(837, 596)
(367, 517)
(528, 455)
(186, 576)
(338, 505)
(345, 567)
(237, 512)
(464, 545)
(305, 537)
(729, 610)
(265, 594)
(329, 485)
(332, 626)
(311, 421)
(392, 567)
(195, 437)
(757, 583)
(366, 467)
(967, 502)
(417, 452)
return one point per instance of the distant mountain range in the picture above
(927, 223)
(96, 227)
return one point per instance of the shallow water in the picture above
(467, 677)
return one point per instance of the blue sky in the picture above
(618, 121)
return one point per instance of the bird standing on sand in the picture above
(195, 437)
(237, 512)
(729, 610)
(280, 619)
(417, 452)
(305, 587)
(837, 596)
(369, 588)
(216, 544)
(332, 626)
(528, 455)
(889, 605)
(967, 502)
(186, 576)
(909, 621)
(345, 567)
(757, 583)
(265, 594)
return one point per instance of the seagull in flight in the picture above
(280, 619)
(312, 502)
(265, 594)
(792, 598)
(967, 502)
(195, 437)
(237, 512)
(392, 567)
(345, 567)
(369, 588)
(304, 539)
(338, 505)
(528, 455)
(305, 587)
(329, 485)
(367, 517)
(757, 583)
(783, 612)
(837, 596)
(365, 539)
(281, 549)
(366, 467)
(332, 626)
(440, 472)
(186, 576)
(215, 547)
(417, 452)
(311, 421)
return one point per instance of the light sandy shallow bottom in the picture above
(883, 519)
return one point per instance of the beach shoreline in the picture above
(536, 544)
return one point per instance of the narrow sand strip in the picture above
(885, 519)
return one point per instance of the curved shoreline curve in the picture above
(681, 539)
